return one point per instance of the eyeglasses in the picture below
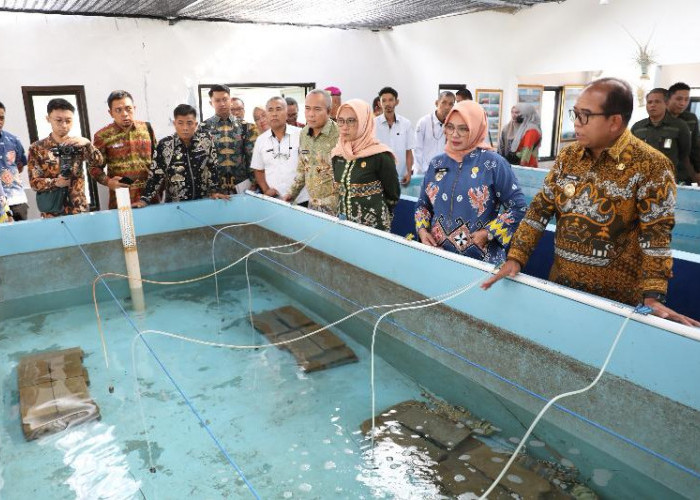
(350, 122)
(278, 154)
(461, 130)
(583, 117)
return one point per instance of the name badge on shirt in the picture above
(667, 143)
(117, 145)
(571, 177)
(304, 151)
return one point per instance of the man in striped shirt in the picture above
(127, 147)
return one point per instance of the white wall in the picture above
(162, 65)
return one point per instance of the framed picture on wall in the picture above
(35, 101)
(569, 95)
(492, 102)
(531, 94)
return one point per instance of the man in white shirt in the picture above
(430, 137)
(396, 132)
(276, 153)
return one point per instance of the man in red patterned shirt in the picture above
(127, 147)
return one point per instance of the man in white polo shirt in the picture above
(396, 132)
(430, 137)
(276, 153)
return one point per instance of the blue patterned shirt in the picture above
(458, 199)
(11, 158)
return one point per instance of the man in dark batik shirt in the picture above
(233, 143)
(185, 163)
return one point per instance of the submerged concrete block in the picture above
(457, 478)
(318, 351)
(435, 427)
(53, 392)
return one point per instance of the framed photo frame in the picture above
(35, 101)
(492, 102)
(569, 95)
(531, 94)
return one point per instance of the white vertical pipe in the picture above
(133, 269)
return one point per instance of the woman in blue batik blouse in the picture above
(470, 202)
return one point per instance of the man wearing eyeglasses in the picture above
(276, 153)
(430, 137)
(314, 170)
(613, 198)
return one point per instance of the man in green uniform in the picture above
(314, 170)
(667, 134)
(678, 99)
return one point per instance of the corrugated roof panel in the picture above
(372, 14)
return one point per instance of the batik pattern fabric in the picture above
(251, 130)
(11, 157)
(126, 153)
(368, 189)
(315, 171)
(185, 172)
(614, 217)
(44, 169)
(458, 199)
(235, 149)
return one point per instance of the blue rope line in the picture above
(468, 361)
(162, 366)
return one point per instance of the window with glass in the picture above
(256, 95)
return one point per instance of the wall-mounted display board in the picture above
(531, 94)
(492, 102)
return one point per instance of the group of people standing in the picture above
(612, 195)
(337, 167)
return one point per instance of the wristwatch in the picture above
(661, 297)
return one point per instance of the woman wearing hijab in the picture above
(464, 190)
(520, 140)
(364, 169)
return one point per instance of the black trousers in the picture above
(19, 211)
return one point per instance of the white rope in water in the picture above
(137, 390)
(439, 298)
(554, 400)
(181, 282)
(433, 301)
(213, 245)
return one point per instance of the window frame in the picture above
(556, 125)
(307, 86)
